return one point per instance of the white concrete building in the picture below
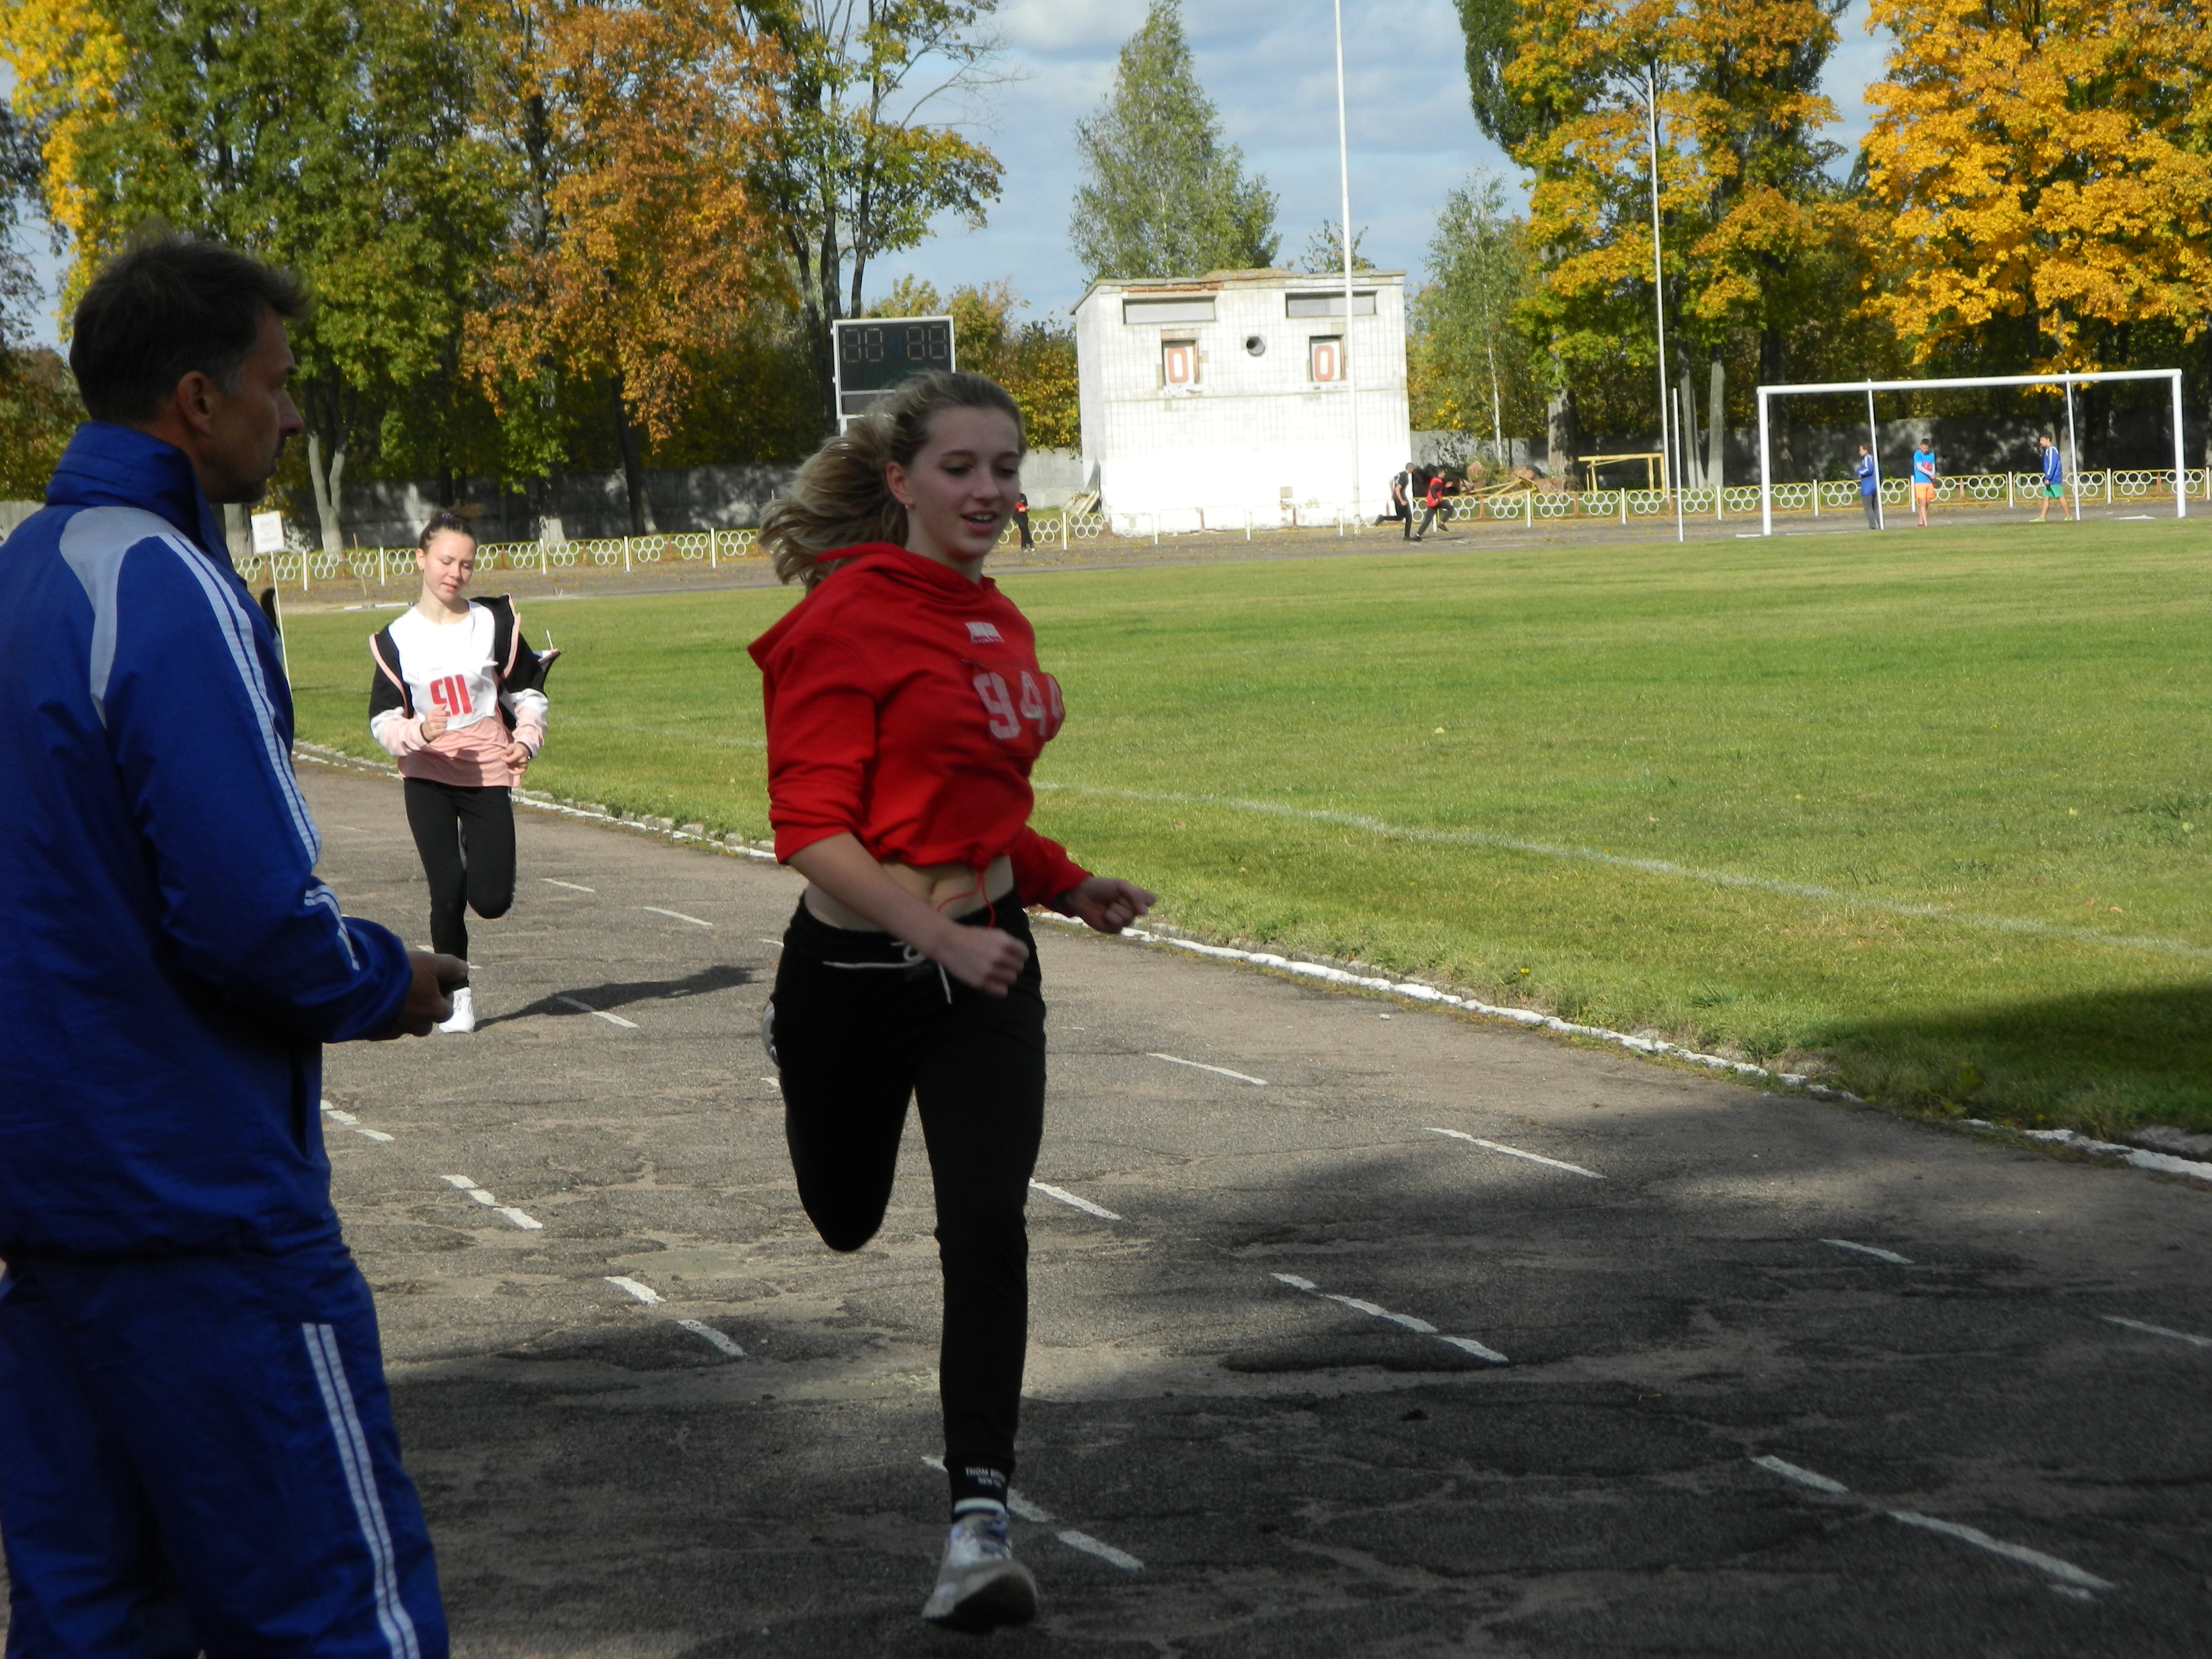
(1207, 398)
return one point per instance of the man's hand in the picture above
(1105, 903)
(427, 999)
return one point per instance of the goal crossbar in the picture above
(2067, 379)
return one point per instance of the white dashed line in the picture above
(1801, 1476)
(1081, 1204)
(2067, 1578)
(1219, 1071)
(462, 1183)
(596, 1013)
(713, 1337)
(2158, 1330)
(676, 915)
(1515, 1152)
(354, 1123)
(1890, 1256)
(572, 886)
(644, 1293)
(2064, 1572)
(1464, 1344)
(1037, 1515)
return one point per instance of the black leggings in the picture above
(862, 1022)
(466, 837)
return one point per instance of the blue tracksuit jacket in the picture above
(169, 963)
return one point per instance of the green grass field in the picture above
(1930, 810)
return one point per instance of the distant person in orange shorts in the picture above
(1924, 484)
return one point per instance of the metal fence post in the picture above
(625, 556)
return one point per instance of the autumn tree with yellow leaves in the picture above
(2041, 177)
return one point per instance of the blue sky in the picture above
(1270, 67)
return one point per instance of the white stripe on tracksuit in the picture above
(391, 1614)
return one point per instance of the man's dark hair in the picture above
(163, 308)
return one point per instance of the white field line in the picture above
(462, 1183)
(1414, 990)
(1803, 1477)
(572, 886)
(1081, 1204)
(2064, 1575)
(1037, 1515)
(1651, 867)
(631, 1287)
(1464, 1344)
(712, 1337)
(1890, 1256)
(2164, 1163)
(1515, 1152)
(2158, 1330)
(586, 1008)
(1201, 1066)
(677, 915)
(354, 1124)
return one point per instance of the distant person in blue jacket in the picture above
(1870, 476)
(2054, 481)
(195, 1446)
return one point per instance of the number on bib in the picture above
(1004, 723)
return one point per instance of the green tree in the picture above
(38, 404)
(1161, 194)
(1474, 359)
(858, 164)
(1325, 250)
(1034, 361)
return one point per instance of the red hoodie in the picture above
(905, 705)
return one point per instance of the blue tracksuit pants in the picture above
(197, 1455)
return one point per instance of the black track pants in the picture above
(466, 838)
(861, 1023)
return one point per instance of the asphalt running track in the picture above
(1357, 1328)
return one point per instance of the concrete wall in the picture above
(1253, 431)
(14, 513)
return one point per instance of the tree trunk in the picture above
(1717, 428)
(237, 533)
(1773, 370)
(640, 504)
(1692, 466)
(1565, 441)
(545, 499)
(326, 485)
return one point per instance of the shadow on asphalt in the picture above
(606, 999)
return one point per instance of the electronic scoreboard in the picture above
(874, 355)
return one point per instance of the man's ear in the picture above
(193, 399)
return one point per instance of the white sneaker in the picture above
(465, 1012)
(980, 1585)
(768, 1033)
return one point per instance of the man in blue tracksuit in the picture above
(1870, 476)
(2054, 481)
(195, 1446)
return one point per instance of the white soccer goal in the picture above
(2068, 381)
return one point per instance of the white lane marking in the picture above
(1201, 1066)
(713, 1337)
(1106, 1552)
(586, 1008)
(354, 1123)
(462, 1183)
(676, 915)
(764, 939)
(1515, 1152)
(644, 1293)
(2064, 1572)
(1836, 895)
(372, 1134)
(1037, 1515)
(1464, 1344)
(1803, 1477)
(1890, 1256)
(1081, 1204)
(572, 887)
(2158, 1330)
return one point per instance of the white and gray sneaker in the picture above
(465, 1012)
(767, 1032)
(980, 1585)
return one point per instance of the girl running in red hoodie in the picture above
(905, 706)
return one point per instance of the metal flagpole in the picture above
(2180, 484)
(2074, 443)
(1658, 277)
(1344, 180)
(1678, 493)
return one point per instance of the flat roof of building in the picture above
(1214, 281)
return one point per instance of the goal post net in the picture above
(1887, 469)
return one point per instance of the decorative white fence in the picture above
(385, 565)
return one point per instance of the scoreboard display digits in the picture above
(874, 355)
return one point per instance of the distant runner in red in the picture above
(905, 706)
